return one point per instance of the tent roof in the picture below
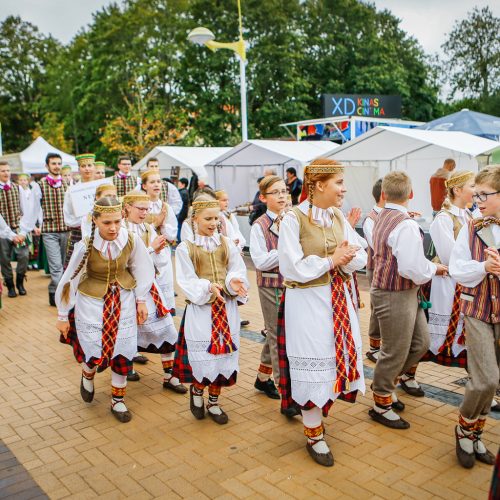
(32, 159)
(390, 143)
(472, 122)
(195, 157)
(258, 152)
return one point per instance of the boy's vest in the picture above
(271, 278)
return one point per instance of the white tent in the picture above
(418, 152)
(238, 169)
(32, 159)
(187, 158)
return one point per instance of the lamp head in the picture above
(200, 36)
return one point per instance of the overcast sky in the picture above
(427, 20)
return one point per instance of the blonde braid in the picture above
(310, 194)
(83, 262)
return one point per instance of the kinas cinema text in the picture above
(383, 106)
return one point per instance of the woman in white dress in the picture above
(319, 340)
(101, 299)
(157, 334)
(164, 220)
(212, 275)
(445, 321)
(229, 223)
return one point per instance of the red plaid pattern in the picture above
(285, 386)
(111, 319)
(182, 369)
(118, 364)
(343, 333)
(354, 293)
(453, 324)
(221, 341)
(161, 310)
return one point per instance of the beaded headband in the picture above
(99, 209)
(135, 196)
(100, 163)
(459, 180)
(151, 171)
(86, 156)
(324, 169)
(201, 205)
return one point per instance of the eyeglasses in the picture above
(141, 209)
(283, 192)
(483, 196)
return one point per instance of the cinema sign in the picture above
(372, 105)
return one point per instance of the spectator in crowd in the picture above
(438, 186)
(293, 184)
(182, 186)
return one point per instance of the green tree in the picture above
(25, 54)
(473, 50)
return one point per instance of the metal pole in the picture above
(243, 91)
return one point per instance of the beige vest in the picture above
(457, 225)
(101, 272)
(318, 240)
(211, 266)
(151, 218)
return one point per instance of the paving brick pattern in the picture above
(75, 449)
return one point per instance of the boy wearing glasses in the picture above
(264, 253)
(475, 264)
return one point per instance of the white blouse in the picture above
(263, 259)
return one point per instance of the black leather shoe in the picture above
(292, 411)
(467, 460)
(179, 388)
(324, 459)
(140, 358)
(20, 284)
(244, 322)
(495, 407)
(392, 424)
(122, 416)
(398, 406)
(412, 391)
(11, 288)
(220, 419)
(371, 356)
(267, 387)
(87, 396)
(133, 376)
(197, 411)
(52, 299)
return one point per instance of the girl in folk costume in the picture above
(101, 298)
(187, 226)
(319, 340)
(86, 169)
(100, 192)
(445, 320)
(229, 224)
(157, 334)
(163, 219)
(212, 275)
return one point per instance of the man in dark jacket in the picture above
(293, 184)
(182, 185)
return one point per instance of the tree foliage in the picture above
(131, 80)
(473, 50)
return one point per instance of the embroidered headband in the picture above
(135, 196)
(66, 167)
(202, 204)
(324, 169)
(100, 163)
(459, 180)
(146, 173)
(83, 157)
(100, 209)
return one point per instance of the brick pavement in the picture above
(79, 450)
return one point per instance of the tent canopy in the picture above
(418, 152)
(267, 153)
(472, 122)
(237, 170)
(187, 158)
(32, 159)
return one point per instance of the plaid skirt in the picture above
(495, 480)
(118, 364)
(440, 358)
(75, 236)
(182, 369)
(285, 384)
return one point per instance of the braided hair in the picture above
(105, 201)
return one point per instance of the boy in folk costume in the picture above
(123, 179)
(475, 265)
(86, 169)
(373, 328)
(264, 253)
(101, 298)
(212, 275)
(157, 334)
(163, 219)
(168, 193)
(445, 320)
(228, 222)
(400, 268)
(49, 194)
(319, 341)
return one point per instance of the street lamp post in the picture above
(203, 36)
